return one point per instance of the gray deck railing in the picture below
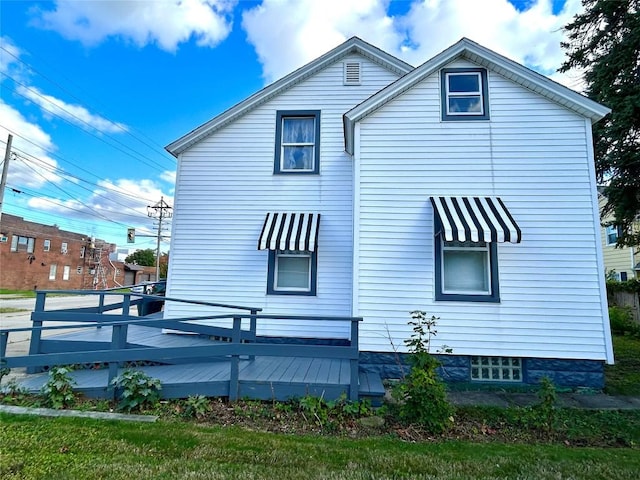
(242, 340)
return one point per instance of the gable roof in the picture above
(476, 53)
(353, 45)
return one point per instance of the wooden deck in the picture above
(209, 360)
(264, 378)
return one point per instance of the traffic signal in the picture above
(131, 235)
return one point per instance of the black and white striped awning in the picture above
(290, 231)
(475, 219)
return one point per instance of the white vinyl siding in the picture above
(533, 154)
(225, 187)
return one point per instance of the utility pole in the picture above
(158, 212)
(5, 170)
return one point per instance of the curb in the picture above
(49, 412)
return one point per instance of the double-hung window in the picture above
(612, 232)
(46, 245)
(297, 142)
(464, 94)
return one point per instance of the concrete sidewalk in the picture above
(587, 401)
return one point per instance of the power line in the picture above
(140, 158)
(153, 147)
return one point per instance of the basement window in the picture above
(496, 369)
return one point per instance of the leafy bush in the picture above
(196, 406)
(621, 321)
(422, 394)
(328, 413)
(136, 390)
(58, 391)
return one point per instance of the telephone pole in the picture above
(5, 170)
(159, 211)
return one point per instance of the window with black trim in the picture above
(297, 142)
(466, 271)
(292, 272)
(464, 94)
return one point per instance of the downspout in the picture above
(115, 271)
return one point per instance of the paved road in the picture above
(19, 341)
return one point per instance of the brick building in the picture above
(34, 256)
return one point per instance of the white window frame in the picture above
(284, 144)
(471, 247)
(17, 240)
(53, 270)
(66, 272)
(83, 250)
(611, 230)
(46, 245)
(281, 254)
(64, 247)
(470, 93)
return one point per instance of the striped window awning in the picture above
(290, 231)
(476, 219)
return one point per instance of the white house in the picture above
(359, 185)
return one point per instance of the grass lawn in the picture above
(69, 448)
(623, 378)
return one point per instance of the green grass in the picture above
(12, 310)
(18, 293)
(69, 448)
(623, 378)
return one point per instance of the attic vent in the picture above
(352, 73)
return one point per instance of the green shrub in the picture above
(136, 390)
(58, 391)
(196, 406)
(621, 321)
(421, 394)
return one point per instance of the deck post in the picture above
(36, 330)
(354, 384)
(4, 339)
(100, 308)
(253, 327)
(118, 342)
(234, 387)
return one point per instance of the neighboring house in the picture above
(358, 185)
(619, 263)
(34, 256)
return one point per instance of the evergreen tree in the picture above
(605, 42)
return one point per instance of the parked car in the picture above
(145, 287)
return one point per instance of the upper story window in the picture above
(297, 142)
(46, 245)
(64, 247)
(22, 244)
(464, 94)
(612, 233)
(83, 250)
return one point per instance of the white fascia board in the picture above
(353, 45)
(470, 50)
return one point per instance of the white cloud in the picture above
(76, 114)
(34, 166)
(165, 23)
(288, 33)
(10, 66)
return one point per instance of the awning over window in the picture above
(290, 231)
(476, 219)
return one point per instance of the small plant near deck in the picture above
(58, 391)
(421, 394)
(196, 406)
(327, 413)
(136, 390)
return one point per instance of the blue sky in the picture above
(93, 90)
